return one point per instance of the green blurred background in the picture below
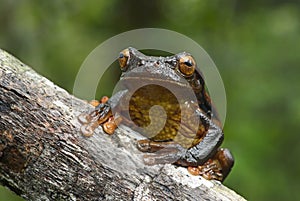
(255, 45)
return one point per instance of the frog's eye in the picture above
(187, 65)
(124, 58)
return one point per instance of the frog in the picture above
(187, 132)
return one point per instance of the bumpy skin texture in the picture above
(190, 134)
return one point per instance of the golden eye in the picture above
(187, 65)
(124, 58)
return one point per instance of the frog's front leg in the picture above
(101, 115)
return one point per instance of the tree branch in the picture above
(43, 156)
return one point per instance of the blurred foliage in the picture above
(255, 45)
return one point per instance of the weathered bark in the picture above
(43, 156)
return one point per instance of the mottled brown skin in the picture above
(191, 133)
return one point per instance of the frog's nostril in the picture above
(141, 63)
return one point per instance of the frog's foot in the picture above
(218, 167)
(160, 152)
(102, 115)
(95, 103)
(110, 126)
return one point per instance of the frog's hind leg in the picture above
(218, 167)
(161, 152)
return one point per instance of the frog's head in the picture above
(179, 69)
(177, 73)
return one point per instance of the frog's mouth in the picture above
(130, 82)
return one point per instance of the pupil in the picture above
(121, 55)
(188, 63)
